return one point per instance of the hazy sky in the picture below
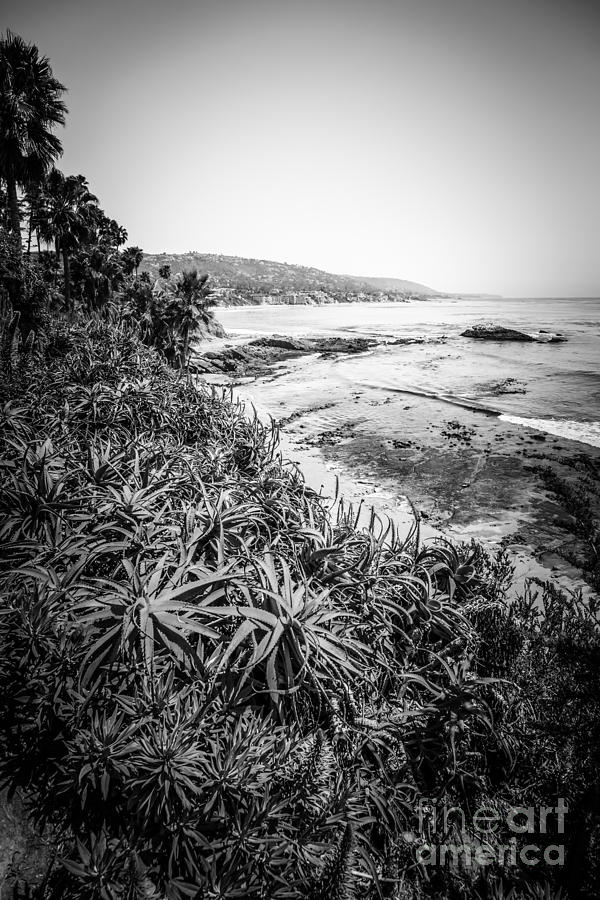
(451, 142)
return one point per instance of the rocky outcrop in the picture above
(281, 342)
(213, 328)
(256, 357)
(315, 345)
(501, 333)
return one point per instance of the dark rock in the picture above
(497, 333)
(212, 327)
(236, 353)
(218, 365)
(342, 345)
(255, 357)
(281, 343)
(202, 366)
(500, 333)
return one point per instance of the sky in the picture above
(454, 143)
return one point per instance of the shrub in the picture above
(212, 682)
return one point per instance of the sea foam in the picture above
(585, 432)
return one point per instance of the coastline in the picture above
(470, 473)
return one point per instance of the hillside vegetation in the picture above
(215, 683)
(256, 280)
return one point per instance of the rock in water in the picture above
(496, 333)
(500, 333)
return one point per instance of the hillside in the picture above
(240, 280)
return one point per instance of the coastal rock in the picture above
(213, 327)
(202, 366)
(281, 342)
(314, 345)
(501, 333)
(496, 333)
(343, 345)
(238, 354)
(254, 358)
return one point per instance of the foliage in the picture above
(548, 643)
(132, 258)
(30, 107)
(214, 683)
(209, 683)
(24, 287)
(169, 314)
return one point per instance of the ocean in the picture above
(553, 388)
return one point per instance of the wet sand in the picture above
(470, 474)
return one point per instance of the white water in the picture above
(554, 388)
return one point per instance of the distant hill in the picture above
(243, 280)
(399, 284)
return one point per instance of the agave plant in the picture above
(149, 611)
(214, 680)
(289, 634)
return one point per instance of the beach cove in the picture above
(463, 431)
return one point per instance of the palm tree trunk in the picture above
(29, 233)
(13, 209)
(186, 347)
(67, 277)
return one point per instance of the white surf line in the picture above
(567, 429)
(472, 405)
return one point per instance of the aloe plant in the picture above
(214, 680)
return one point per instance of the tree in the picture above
(110, 232)
(132, 257)
(34, 203)
(30, 107)
(97, 270)
(69, 218)
(191, 309)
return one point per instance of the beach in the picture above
(428, 420)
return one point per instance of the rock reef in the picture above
(501, 333)
(256, 357)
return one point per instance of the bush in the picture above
(213, 683)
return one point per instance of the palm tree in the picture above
(110, 232)
(69, 218)
(190, 311)
(132, 257)
(97, 271)
(34, 203)
(30, 107)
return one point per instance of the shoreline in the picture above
(471, 473)
(329, 471)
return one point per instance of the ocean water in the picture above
(553, 388)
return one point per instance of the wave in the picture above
(570, 429)
(451, 399)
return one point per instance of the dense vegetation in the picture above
(86, 270)
(216, 683)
